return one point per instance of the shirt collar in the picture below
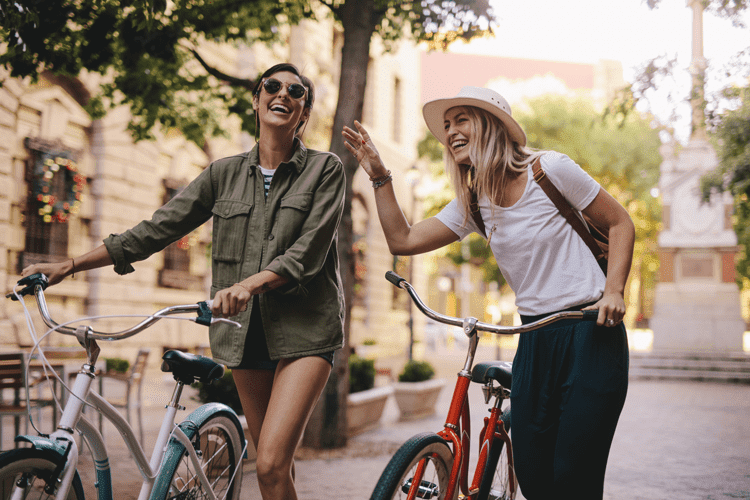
(297, 162)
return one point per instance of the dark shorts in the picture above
(255, 356)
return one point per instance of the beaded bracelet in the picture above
(377, 184)
(382, 177)
(73, 268)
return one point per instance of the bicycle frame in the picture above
(457, 429)
(72, 418)
(63, 441)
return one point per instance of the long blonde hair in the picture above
(493, 157)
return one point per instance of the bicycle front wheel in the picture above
(399, 473)
(495, 483)
(220, 453)
(30, 469)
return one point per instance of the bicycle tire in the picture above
(36, 465)
(400, 469)
(219, 442)
(495, 480)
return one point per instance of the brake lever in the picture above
(205, 317)
(31, 281)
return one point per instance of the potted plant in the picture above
(417, 391)
(116, 365)
(365, 402)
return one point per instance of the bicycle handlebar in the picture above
(396, 280)
(37, 283)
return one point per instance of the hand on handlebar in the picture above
(230, 302)
(55, 272)
(611, 309)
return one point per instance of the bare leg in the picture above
(254, 388)
(296, 388)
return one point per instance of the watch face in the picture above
(690, 214)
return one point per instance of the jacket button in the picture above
(270, 237)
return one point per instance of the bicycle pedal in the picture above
(426, 489)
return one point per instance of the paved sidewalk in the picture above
(676, 440)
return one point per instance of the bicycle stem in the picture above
(470, 329)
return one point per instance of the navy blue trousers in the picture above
(570, 380)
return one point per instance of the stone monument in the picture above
(696, 301)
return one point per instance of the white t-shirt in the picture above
(545, 262)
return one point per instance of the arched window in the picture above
(54, 193)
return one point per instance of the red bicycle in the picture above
(436, 465)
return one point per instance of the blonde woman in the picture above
(569, 379)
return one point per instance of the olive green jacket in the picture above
(292, 233)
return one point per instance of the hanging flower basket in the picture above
(47, 169)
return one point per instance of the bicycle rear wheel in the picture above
(32, 468)
(495, 483)
(398, 474)
(219, 444)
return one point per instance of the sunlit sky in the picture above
(623, 30)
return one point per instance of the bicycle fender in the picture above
(43, 443)
(190, 427)
(200, 415)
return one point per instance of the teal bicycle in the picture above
(199, 458)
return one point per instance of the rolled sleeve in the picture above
(304, 259)
(113, 243)
(182, 214)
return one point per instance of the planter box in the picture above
(417, 399)
(364, 409)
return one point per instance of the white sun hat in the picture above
(479, 97)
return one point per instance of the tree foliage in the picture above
(732, 132)
(149, 52)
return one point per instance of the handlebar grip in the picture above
(590, 315)
(31, 281)
(204, 314)
(394, 278)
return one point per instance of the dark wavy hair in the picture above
(291, 68)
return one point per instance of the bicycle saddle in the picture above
(187, 367)
(496, 370)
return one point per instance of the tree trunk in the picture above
(327, 426)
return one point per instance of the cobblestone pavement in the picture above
(676, 440)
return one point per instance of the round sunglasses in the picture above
(296, 90)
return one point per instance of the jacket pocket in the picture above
(231, 218)
(293, 211)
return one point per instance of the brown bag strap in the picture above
(540, 176)
(476, 214)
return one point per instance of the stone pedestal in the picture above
(697, 301)
(693, 317)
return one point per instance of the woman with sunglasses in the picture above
(276, 210)
(569, 379)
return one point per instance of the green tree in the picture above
(727, 114)
(435, 22)
(150, 52)
(732, 132)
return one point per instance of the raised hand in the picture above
(360, 145)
